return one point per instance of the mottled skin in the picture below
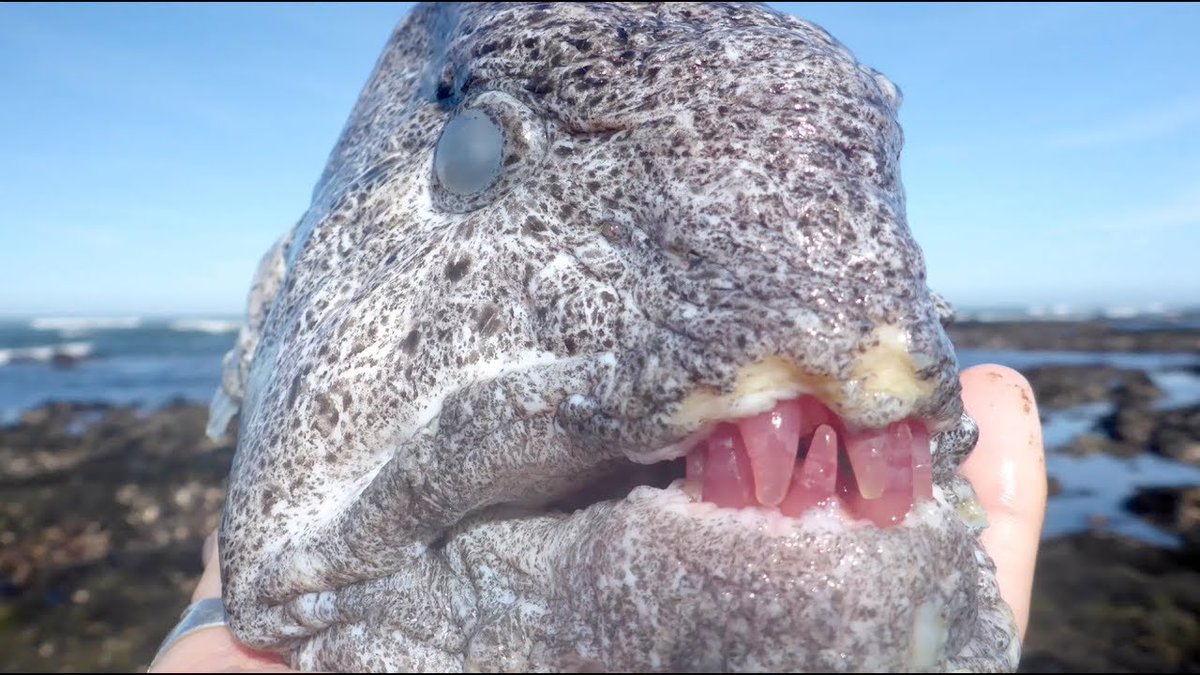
(688, 190)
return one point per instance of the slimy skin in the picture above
(456, 407)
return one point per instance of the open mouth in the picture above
(796, 456)
(800, 455)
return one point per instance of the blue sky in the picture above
(150, 153)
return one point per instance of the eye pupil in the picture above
(468, 155)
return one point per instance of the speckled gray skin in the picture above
(688, 190)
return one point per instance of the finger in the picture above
(1008, 471)
(214, 649)
(210, 581)
(208, 551)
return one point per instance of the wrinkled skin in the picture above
(688, 192)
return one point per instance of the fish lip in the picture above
(630, 528)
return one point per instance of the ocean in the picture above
(122, 361)
(148, 362)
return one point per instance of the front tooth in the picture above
(922, 463)
(868, 457)
(772, 439)
(816, 480)
(727, 479)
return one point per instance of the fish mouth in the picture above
(798, 455)
(786, 539)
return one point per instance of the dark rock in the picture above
(100, 531)
(1091, 336)
(1103, 603)
(1135, 388)
(1133, 425)
(1177, 434)
(1068, 386)
(1053, 487)
(1131, 429)
(1090, 444)
(1175, 509)
(64, 361)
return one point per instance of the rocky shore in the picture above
(1090, 336)
(103, 511)
(102, 514)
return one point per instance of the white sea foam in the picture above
(213, 326)
(75, 326)
(45, 353)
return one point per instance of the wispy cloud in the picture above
(1142, 126)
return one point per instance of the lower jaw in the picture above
(659, 581)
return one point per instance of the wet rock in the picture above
(1136, 428)
(1068, 386)
(63, 361)
(101, 526)
(1177, 434)
(1175, 509)
(1130, 424)
(1091, 336)
(1093, 443)
(1103, 603)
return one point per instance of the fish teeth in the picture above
(772, 439)
(867, 451)
(755, 462)
(728, 480)
(816, 480)
(922, 463)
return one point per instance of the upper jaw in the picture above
(885, 385)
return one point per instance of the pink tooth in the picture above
(896, 501)
(922, 463)
(817, 478)
(772, 440)
(868, 457)
(727, 478)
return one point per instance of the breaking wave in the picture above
(74, 324)
(213, 326)
(46, 353)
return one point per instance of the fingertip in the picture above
(990, 375)
(1009, 460)
(1008, 470)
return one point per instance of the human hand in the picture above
(1007, 468)
(214, 650)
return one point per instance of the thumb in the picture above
(1008, 471)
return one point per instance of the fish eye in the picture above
(467, 158)
(491, 144)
